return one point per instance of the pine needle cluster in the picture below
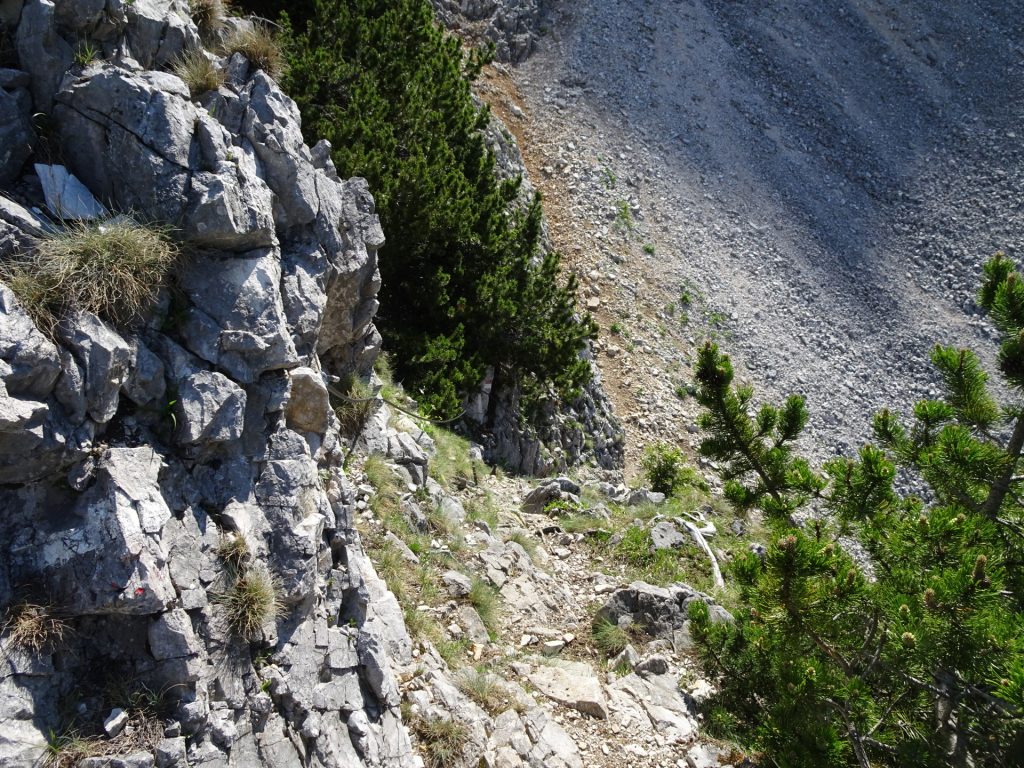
(913, 656)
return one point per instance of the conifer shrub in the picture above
(918, 661)
(114, 269)
(666, 471)
(465, 286)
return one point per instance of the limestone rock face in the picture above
(512, 25)
(133, 458)
(16, 134)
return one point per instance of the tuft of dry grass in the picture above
(484, 688)
(251, 601)
(609, 638)
(34, 628)
(209, 15)
(355, 407)
(233, 549)
(198, 72)
(441, 741)
(260, 46)
(114, 269)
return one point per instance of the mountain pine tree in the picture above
(913, 653)
(463, 284)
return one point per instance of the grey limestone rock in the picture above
(659, 610)
(280, 297)
(32, 361)
(271, 123)
(512, 25)
(16, 133)
(664, 535)
(656, 704)
(66, 196)
(104, 358)
(146, 381)
(309, 405)
(159, 31)
(34, 440)
(104, 556)
(42, 52)
(171, 636)
(458, 584)
(573, 684)
(129, 137)
(212, 409)
(237, 321)
(19, 227)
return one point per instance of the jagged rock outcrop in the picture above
(133, 459)
(512, 25)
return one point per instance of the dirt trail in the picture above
(815, 184)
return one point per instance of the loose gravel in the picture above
(813, 184)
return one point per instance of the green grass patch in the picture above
(484, 598)
(483, 508)
(250, 601)
(610, 639)
(484, 688)
(451, 465)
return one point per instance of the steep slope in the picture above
(816, 183)
(182, 583)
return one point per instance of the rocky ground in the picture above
(814, 185)
(548, 620)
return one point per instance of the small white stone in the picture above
(115, 722)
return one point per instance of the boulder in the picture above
(309, 404)
(656, 705)
(104, 358)
(664, 535)
(212, 408)
(29, 362)
(237, 322)
(658, 610)
(457, 584)
(573, 684)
